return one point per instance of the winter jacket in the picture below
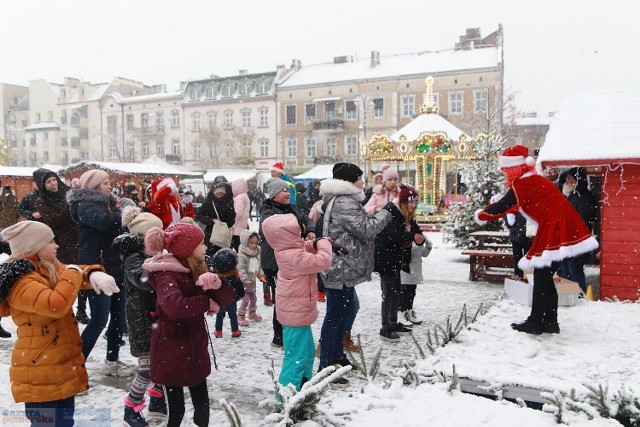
(241, 204)
(292, 188)
(141, 298)
(393, 244)
(269, 208)
(298, 263)
(315, 195)
(581, 198)
(414, 276)
(98, 219)
(179, 342)
(346, 222)
(206, 214)
(47, 362)
(302, 201)
(56, 213)
(8, 210)
(27, 206)
(162, 201)
(379, 198)
(249, 263)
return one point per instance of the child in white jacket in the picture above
(250, 270)
(407, 316)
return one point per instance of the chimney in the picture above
(340, 59)
(243, 72)
(296, 64)
(375, 58)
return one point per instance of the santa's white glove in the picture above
(103, 283)
(187, 198)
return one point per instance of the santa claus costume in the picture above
(165, 201)
(561, 233)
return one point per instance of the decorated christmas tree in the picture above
(484, 179)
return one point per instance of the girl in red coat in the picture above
(561, 233)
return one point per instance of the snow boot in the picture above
(411, 316)
(81, 317)
(552, 328)
(403, 320)
(235, 334)
(388, 334)
(253, 315)
(242, 320)
(400, 330)
(267, 300)
(529, 327)
(321, 296)
(157, 404)
(348, 343)
(133, 413)
(218, 333)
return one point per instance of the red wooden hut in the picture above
(601, 131)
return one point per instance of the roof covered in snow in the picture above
(594, 128)
(396, 65)
(25, 170)
(133, 168)
(317, 172)
(428, 122)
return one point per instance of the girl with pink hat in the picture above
(386, 193)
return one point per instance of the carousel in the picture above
(425, 152)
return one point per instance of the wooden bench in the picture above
(480, 261)
(498, 246)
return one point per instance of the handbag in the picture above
(221, 234)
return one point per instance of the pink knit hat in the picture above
(388, 173)
(180, 239)
(92, 178)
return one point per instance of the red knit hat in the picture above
(517, 155)
(278, 167)
(180, 239)
(407, 194)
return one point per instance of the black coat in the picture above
(206, 214)
(269, 208)
(141, 297)
(581, 198)
(98, 219)
(393, 245)
(28, 205)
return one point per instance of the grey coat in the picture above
(346, 222)
(417, 253)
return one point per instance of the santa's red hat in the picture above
(278, 167)
(517, 155)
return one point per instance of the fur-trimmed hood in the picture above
(128, 243)
(10, 272)
(336, 187)
(164, 262)
(86, 195)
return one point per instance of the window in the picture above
(196, 92)
(63, 93)
(246, 88)
(408, 105)
(291, 114)
(113, 151)
(46, 136)
(311, 147)
(309, 113)
(33, 140)
(175, 147)
(211, 121)
(227, 89)
(37, 117)
(480, 101)
(65, 158)
(129, 121)
(112, 124)
(160, 119)
(378, 108)
(209, 92)
(14, 141)
(145, 149)
(84, 155)
(351, 110)
(292, 148)
(45, 156)
(33, 158)
(75, 141)
(12, 120)
(352, 145)
(246, 119)
(131, 152)
(175, 119)
(263, 87)
(264, 148)
(25, 121)
(330, 110)
(50, 115)
(160, 149)
(455, 103)
(144, 119)
(197, 150)
(228, 118)
(264, 117)
(84, 133)
(332, 146)
(196, 121)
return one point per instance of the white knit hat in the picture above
(27, 237)
(92, 178)
(139, 222)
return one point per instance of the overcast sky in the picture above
(552, 47)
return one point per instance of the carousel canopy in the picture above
(428, 122)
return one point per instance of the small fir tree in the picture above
(484, 179)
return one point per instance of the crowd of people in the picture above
(152, 266)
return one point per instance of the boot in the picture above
(4, 333)
(253, 315)
(529, 327)
(412, 317)
(133, 413)
(267, 300)
(348, 343)
(235, 334)
(242, 320)
(321, 296)
(157, 404)
(402, 319)
(388, 334)
(81, 316)
(399, 329)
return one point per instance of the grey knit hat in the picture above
(275, 186)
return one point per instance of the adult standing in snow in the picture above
(242, 206)
(278, 203)
(392, 254)
(218, 205)
(561, 233)
(347, 224)
(384, 194)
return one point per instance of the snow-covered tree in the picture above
(484, 179)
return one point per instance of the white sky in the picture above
(552, 47)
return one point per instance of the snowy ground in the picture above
(599, 344)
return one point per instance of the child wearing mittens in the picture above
(250, 270)
(225, 264)
(409, 278)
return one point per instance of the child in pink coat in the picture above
(299, 261)
(386, 193)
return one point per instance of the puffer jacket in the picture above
(47, 362)
(179, 342)
(141, 298)
(380, 197)
(241, 204)
(269, 208)
(299, 263)
(346, 222)
(249, 262)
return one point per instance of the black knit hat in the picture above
(347, 172)
(224, 260)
